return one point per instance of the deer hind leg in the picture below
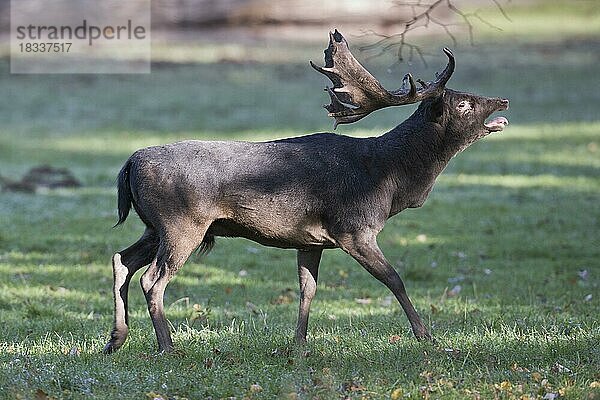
(175, 248)
(308, 270)
(364, 249)
(125, 264)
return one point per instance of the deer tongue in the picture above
(497, 124)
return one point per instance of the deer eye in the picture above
(464, 107)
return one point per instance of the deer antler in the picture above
(356, 93)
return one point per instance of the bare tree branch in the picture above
(499, 6)
(422, 17)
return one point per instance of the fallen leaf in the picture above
(459, 254)
(550, 396)
(595, 385)
(396, 394)
(454, 291)
(357, 388)
(445, 382)
(199, 314)
(428, 375)
(452, 352)
(560, 368)
(41, 395)
(255, 388)
(252, 307)
(283, 299)
(518, 368)
(74, 352)
(434, 309)
(154, 396)
(536, 376)
(395, 338)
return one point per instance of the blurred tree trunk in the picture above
(198, 13)
(256, 12)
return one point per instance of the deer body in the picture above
(309, 193)
(291, 193)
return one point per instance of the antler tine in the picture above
(430, 89)
(442, 78)
(356, 93)
(413, 89)
(449, 70)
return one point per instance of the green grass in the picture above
(548, 20)
(512, 221)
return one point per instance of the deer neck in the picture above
(414, 155)
(417, 147)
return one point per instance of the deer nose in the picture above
(501, 104)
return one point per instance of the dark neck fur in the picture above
(413, 154)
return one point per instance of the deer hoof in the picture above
(424, 335)
(110, 348)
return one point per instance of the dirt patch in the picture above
(41, 177)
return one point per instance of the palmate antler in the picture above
(356, 93)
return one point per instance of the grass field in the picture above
(513, 222)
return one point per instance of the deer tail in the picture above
(124, 197)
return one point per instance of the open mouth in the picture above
(498, 123)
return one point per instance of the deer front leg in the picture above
(364, 249)
(308, 270)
